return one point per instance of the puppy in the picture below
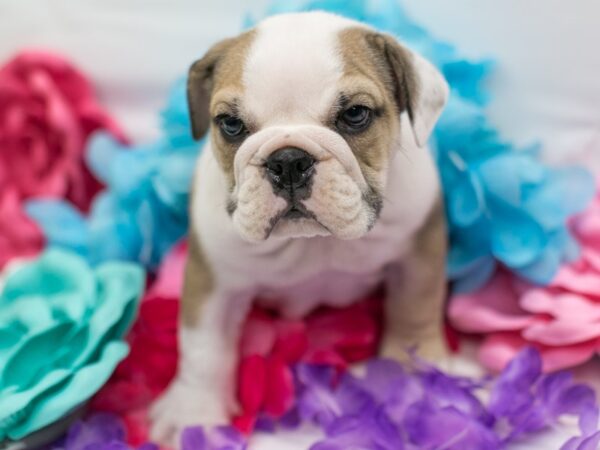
(314, 188)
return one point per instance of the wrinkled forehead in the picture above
(293, 69)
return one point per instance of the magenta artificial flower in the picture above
(19, 235)
(47, 112)
(271, 346)
(152, 361)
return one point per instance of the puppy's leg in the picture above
(203, 392)
(416, 293)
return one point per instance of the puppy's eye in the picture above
(355, 118)
(231, 126)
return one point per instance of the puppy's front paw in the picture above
(185, 405)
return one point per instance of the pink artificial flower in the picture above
(47, 113)
(583, 276)
(561, 320)
(169, 281)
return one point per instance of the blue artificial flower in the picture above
(143, 210)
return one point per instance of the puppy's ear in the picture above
(419, 87)
(200, 86)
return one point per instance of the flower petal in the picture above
(498, 349)
(493, 308)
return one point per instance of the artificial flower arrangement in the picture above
(523, 264)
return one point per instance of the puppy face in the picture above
(304, 113)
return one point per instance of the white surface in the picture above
(547, 84)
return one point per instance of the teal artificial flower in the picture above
(61, 335)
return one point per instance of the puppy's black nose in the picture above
(289, 168)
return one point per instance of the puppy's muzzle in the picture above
(290, 172)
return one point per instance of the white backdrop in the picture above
(547, 84)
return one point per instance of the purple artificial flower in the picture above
(323, 401)
(265, 423)
(447, 391)
(558, 395)
(565, 397)
(396, 408)
(218, 438)
(430, 426)
(391, 386)
(100, 431)
(291, 420)
(530, 401)
(383, 377)
(392, 408)
(193, 438)
(591, 442)
(114, 445)
(227, 438)
(315, 400)
(373, 431)
(149, 446)
(511, 394)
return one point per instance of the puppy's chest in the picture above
(326, 272)
(333, 288)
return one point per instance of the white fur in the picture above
(292, 274)
(283, 61)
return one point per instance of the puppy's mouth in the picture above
(296, 211)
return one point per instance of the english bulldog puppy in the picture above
(314, 188)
